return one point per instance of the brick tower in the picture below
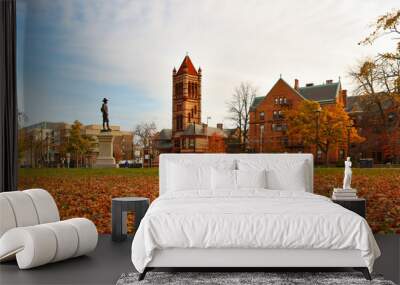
(186, 98)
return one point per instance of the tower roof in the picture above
(187, 67)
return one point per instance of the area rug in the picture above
(269, 278)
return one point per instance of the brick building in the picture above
(268, 125)
(381, 144)
(44, 144)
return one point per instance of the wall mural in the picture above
(105, 87)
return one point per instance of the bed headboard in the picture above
(202, 159)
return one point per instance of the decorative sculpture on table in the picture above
(347, 174)
(104, 111)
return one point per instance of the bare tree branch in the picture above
(239, 108)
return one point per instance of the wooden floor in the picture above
(111, 259)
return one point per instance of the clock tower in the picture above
(186, 99)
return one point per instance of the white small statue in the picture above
(347, 174)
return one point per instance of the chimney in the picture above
(174, 71)
(220, 126)
(309, 84)
(344, 98)
(296, 84)
(329, 81)
(204, 128)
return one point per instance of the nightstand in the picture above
(357, 205)
(119, 208)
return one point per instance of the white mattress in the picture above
(252, 219)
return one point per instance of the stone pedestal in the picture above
(105, 158)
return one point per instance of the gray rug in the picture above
(229, 278)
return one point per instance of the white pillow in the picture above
(223, 179)
(188, 177)
(251, 178)
(281, 174)
(186, 174)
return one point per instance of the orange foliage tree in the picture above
(333, 125)
(216, 143)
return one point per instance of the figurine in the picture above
(347, 174)
(104, 111)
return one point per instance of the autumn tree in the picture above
(377, 80)
(329, 130)
(216, 143)
(388, 24)
(239, 109)
(117, 151)
(78, 144)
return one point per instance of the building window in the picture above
(276, 101)
(279, 127)
(195, 109)
(280, 101)
(262, 115)
(285, 101)
(179, 90)
(391, 117)
(275, 115)
(179, 122)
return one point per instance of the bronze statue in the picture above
(104, 111)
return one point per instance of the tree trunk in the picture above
(327, 155)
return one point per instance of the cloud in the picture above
(136, 44)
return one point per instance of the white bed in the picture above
(248, 227)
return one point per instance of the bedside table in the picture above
(357, 205)
(119, 208)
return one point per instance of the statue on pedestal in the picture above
(347, 174)
(104, 111)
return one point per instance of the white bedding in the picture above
(251, 218)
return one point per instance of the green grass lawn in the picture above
(76, 172)
(359, 171)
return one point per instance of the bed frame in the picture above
(245, 259)
(249, 259)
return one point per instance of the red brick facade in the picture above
(382, 145)
(268, 125)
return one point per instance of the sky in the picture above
(73, 53)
